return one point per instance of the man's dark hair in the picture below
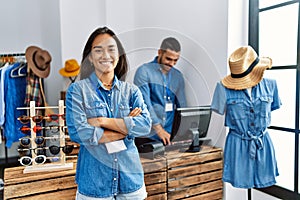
(171, 44)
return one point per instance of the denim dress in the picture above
(249, 156)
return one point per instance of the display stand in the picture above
(60, 164)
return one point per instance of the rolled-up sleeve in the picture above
(141, 124)
(78, 128)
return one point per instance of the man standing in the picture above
(162, 87)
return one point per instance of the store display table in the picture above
(177, 175)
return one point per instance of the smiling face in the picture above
(167, 59)
(104, 54)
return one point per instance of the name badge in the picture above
(115, 146)
(169, 107)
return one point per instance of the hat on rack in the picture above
(38, 60)
(246, 68)
(71, 68)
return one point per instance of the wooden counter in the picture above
(176, 175)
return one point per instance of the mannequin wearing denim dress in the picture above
(249, 156)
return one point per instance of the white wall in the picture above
(207, 29)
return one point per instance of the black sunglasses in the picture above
(25, 141)
(67, 149)
(55, 117)
(37, 151)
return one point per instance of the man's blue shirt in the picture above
(100, 174)
(159, 89)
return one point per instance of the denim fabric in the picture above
(152, 84)
(14, 90)
(140, 194)
(100, 174)
(249, 156)
(2, 102)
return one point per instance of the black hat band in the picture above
(245, 73)
(33, 59)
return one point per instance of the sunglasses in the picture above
(37, 151)
(55, 117)
(37, 129)
(26, 160)
(67, 149)
(25, 141)
(39, 118)
(26, 119)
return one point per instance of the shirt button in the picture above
(251, 110)
(115, 179)
(109, 95)
(111, 110)
(116, 159)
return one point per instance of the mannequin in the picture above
(247, 99)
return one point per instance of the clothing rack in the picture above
(12, 54)
(10, 58)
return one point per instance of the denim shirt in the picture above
(249, 155)
(15, 93)
(100, 174)
(159, 89)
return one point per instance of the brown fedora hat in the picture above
(38, 61)
(71, 68)
(246, 68)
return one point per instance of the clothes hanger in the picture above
(19, 71)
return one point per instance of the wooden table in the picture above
(176, 175)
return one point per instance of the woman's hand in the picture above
(135, 112)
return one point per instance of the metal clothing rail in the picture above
(12, 54)
(10, 57)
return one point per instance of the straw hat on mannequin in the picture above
(246, 68)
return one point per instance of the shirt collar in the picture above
(94, 79)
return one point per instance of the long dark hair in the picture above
(87, 67)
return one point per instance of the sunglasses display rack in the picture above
(38, 162)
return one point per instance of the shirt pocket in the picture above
(124, 109)
(96, 109)
(236, 109)
(265, 106)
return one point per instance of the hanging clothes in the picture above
(33, 90)
(2, 102)
(14, 95)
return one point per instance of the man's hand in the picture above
(162, 134)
